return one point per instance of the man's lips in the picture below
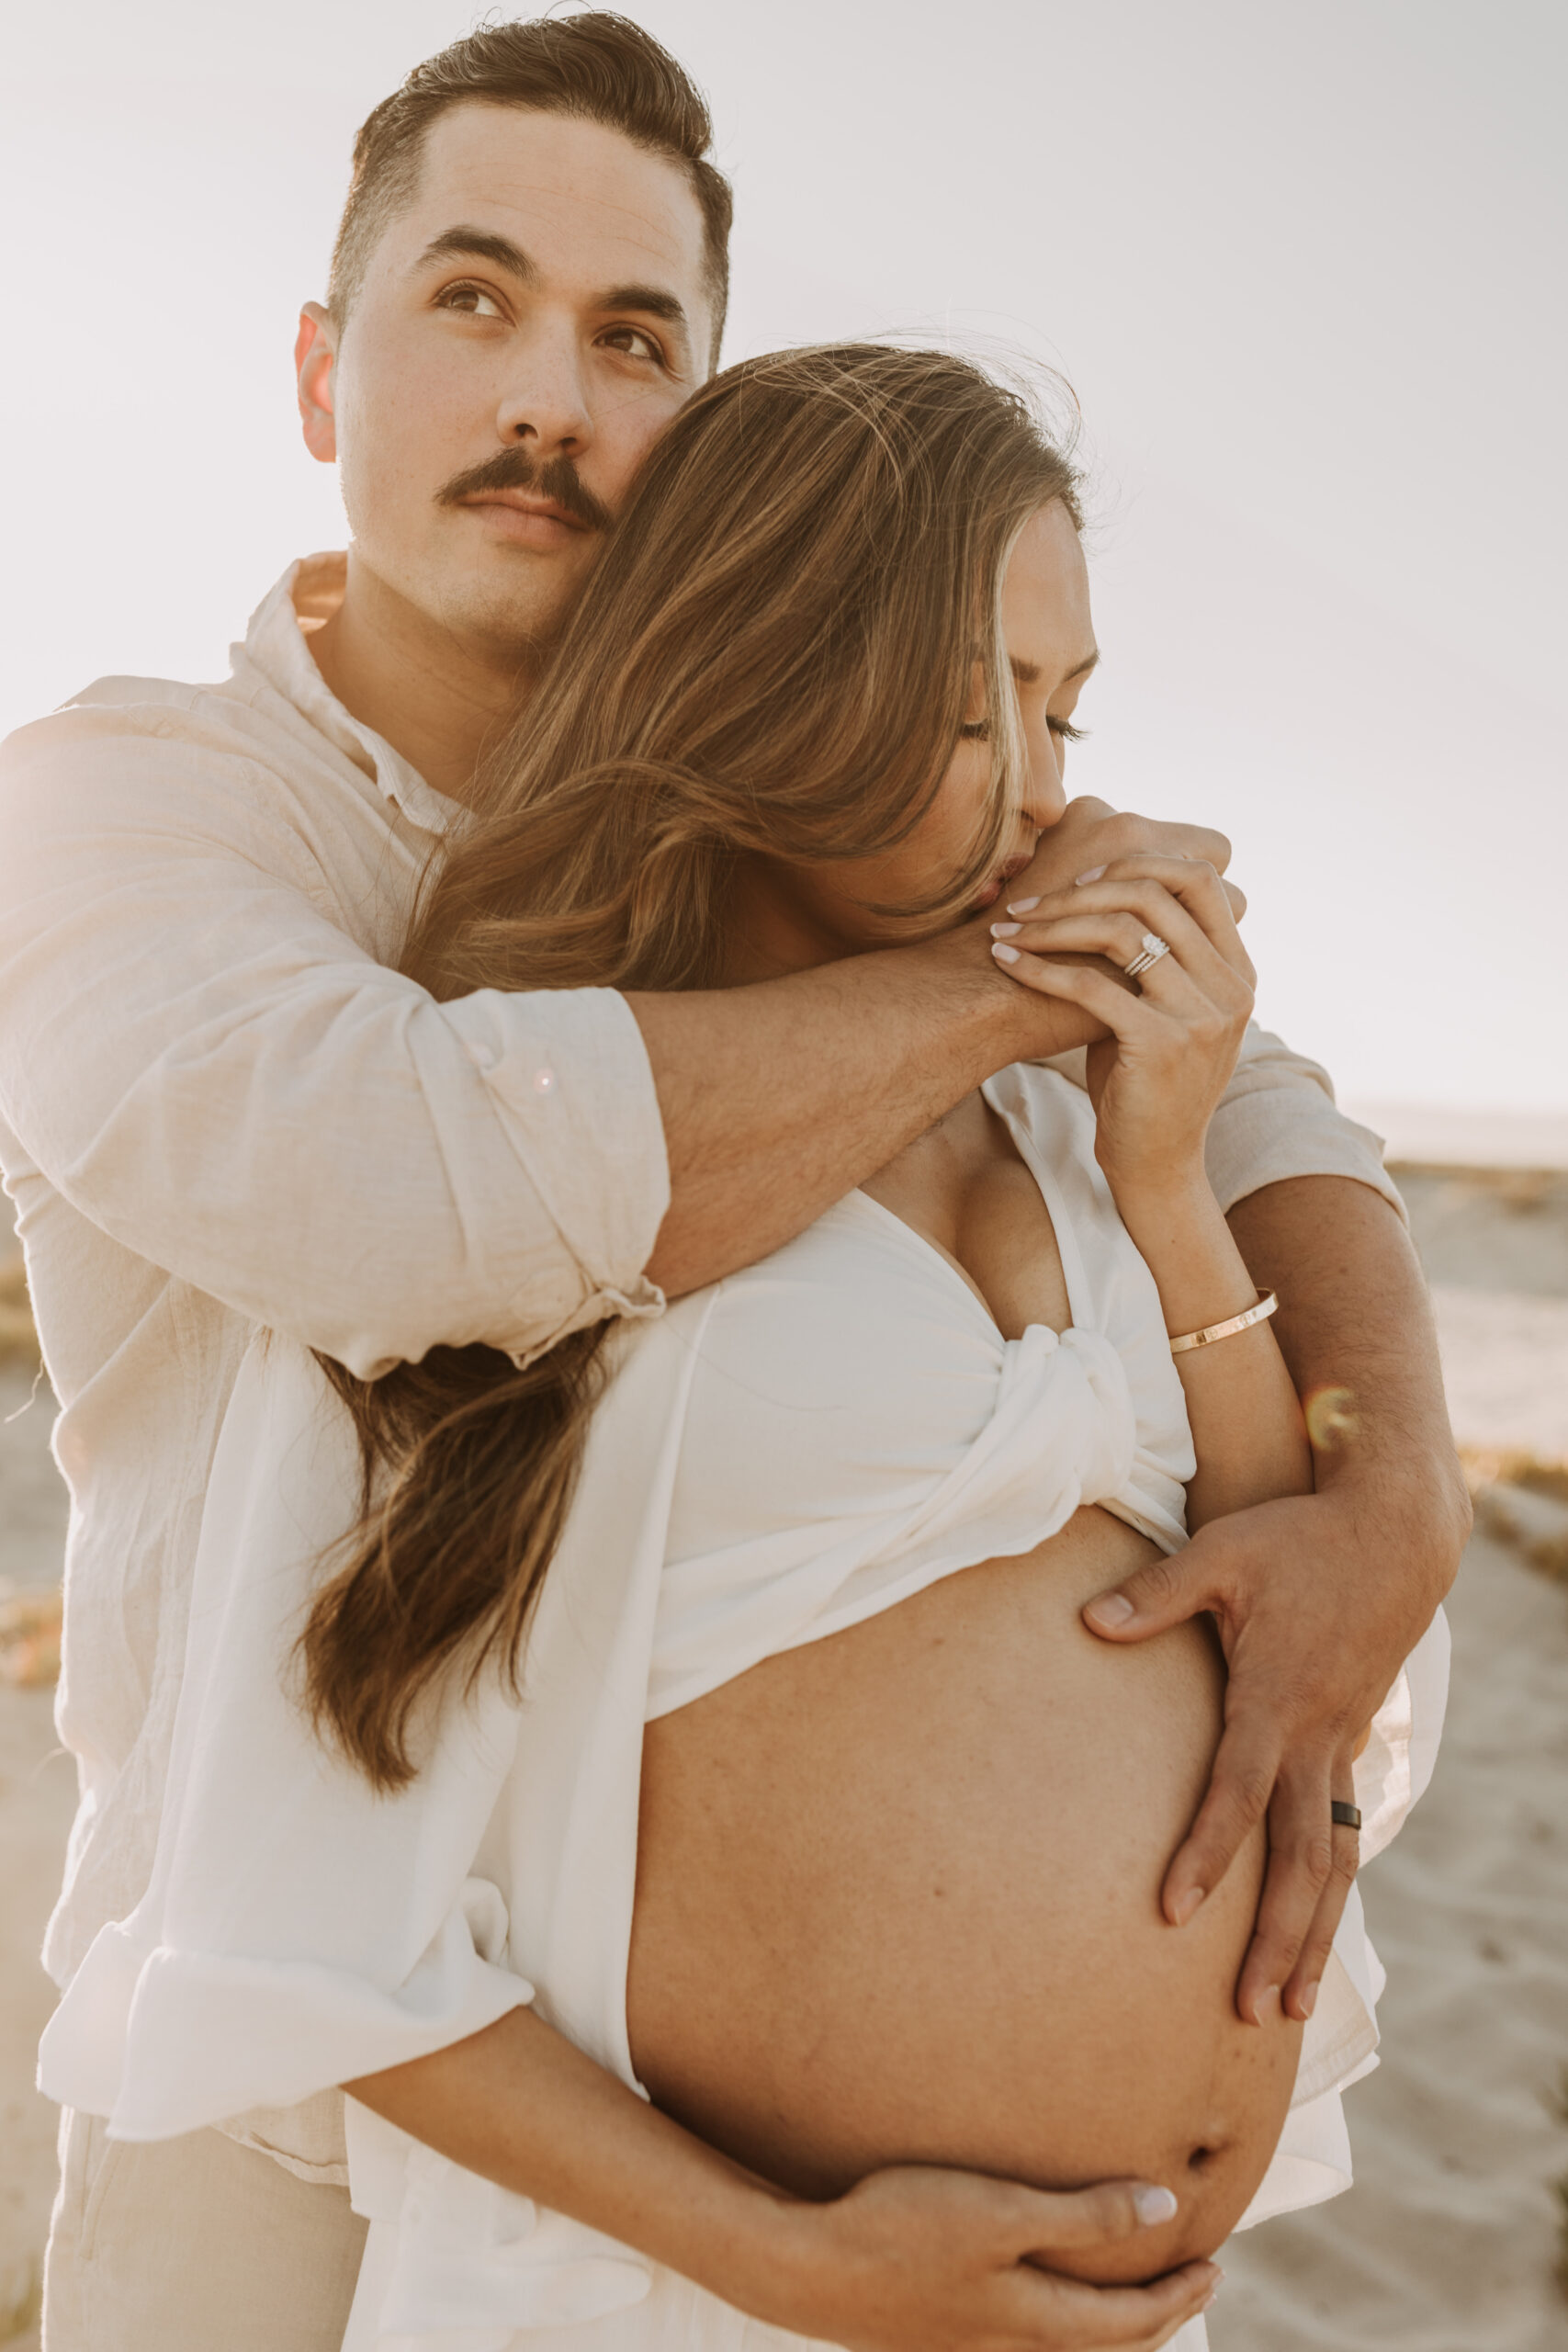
(528, 503)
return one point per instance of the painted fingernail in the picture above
(1006, 929)
(1003, 953)
(1110, 1609)
(1186, 1906)
(1022, 906)
(1153, 2206)
(1307, 2000)
(1092, 875)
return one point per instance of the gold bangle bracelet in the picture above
(1266, 1302)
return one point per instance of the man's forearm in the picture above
(778, 1099)
(1355, 1326)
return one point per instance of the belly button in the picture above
(1199, 2158)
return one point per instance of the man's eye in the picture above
(634, 343)
(472, 301)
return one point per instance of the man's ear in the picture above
(315, 357)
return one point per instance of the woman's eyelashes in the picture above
(977, 731)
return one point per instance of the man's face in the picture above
(526, 329)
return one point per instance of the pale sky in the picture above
(1303, 262)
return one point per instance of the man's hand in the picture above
(1319, 1599)
(1090, 834)
(1318, 1605)
(919, 2259)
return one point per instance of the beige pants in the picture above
(193, 2245)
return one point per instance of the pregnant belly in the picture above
(898, 1901)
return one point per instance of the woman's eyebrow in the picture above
(1027, 674)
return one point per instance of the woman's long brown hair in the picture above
(774, 657)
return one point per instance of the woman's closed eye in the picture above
(977, 731)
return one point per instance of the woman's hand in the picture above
(1154, 1083)
(916, 2258)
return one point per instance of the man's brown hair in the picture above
(598, 66)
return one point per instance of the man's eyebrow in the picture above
(480, 244)
(656, 301)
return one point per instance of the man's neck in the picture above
(436, 699)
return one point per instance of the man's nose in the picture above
(546, 403)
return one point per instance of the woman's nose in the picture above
(1045, 800)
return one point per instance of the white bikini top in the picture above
(856, 1427)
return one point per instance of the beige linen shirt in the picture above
(220, 1108)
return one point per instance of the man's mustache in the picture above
(556, 478)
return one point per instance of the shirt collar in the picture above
(277, 645)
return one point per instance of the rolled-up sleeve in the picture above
(1279, 1120)
(204, 1061)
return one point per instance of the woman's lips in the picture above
(993, 890)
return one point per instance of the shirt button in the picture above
(545, 1080)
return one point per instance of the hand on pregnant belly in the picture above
(898, 1902)
(917, 2259)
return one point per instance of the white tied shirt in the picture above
(221, 1109)
(790, 1452)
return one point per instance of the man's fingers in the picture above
(1240, 1788)
(1200, 841)
(1300, 1998)
(1312, 1868)
(1165, 1593)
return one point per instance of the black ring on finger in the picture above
(1343, 1815)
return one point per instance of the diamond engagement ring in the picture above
(1153, 948)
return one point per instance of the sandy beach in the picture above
(1451, 2240)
